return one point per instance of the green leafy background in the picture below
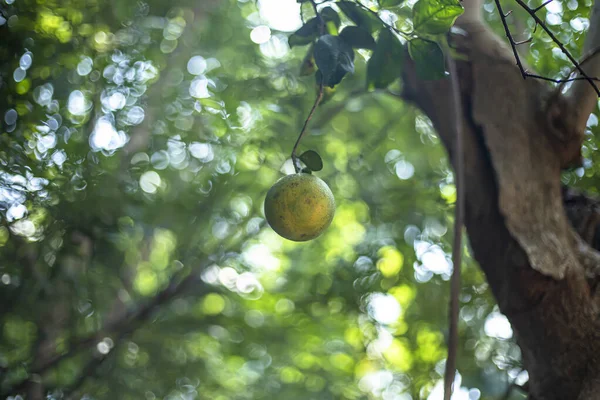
(137, 142)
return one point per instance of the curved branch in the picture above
(581, 95)
(124, 325)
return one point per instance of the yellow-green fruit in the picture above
(299, 207)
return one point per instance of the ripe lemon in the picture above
(299, 207)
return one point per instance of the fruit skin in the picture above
(299, 207)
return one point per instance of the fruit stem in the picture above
(295, 159)
(319, 17)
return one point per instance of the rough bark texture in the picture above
(529, 235)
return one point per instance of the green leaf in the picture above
(334, 58)
(385, 64)
(434, 17)
(332, 20)
(330, 15)
(306, 34)
(359, 15)
(358, 38)
(390, 3)
(428, 58)
(312, 160)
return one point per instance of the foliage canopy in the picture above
(137, 143)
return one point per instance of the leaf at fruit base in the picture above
(312, 160)
(306, 34)
(358, 38)
(385, 64)
(389, 3)
(334, 58)
(428, 58)
(360, 16)
(434, 17)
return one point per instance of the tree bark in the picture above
(531, 237)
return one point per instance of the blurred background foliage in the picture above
(137, 142)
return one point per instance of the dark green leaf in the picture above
(389, 3)
(312, 160)
(385, 64)
(306, 34)
(334, 58)
(428, 58)
(360, 16)
(434, 17)
(358, 38)
(330, 15)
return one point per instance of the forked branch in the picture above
(583, 75)
(580, 94)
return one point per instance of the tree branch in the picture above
(581, 95)
(472, 12)
(120, 327)
(542, 24)
(583, 75)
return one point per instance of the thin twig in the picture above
(510, 39)
(559, 44)
(295, 159)
(320, 20)
(544, 4)
(523, 41)
(459, 176)
(586, 57)
(538, 21)
(565, 80)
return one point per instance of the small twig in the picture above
(565, 80)
(295, 159)
(544, 4)
(510, 39)
(559, 44)
(538, 21)
(587, 57)
(319, 17)
(523, 41)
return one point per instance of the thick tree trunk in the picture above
(518, 135)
